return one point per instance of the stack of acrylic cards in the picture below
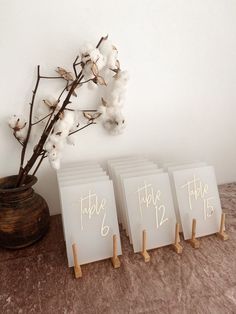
(144, 201)
(171, 168)
(196, 197)
(88, 211)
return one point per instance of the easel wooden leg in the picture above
(222, 234)
(115, 259)
(194, 242)
(77, 268)
(144, 252)
(177, 247)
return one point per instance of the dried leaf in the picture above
(96, 115)
(68, 76)
(48, 103)
(104, 103)
(118, 64)
(87, 115)
(101, 81)
(94, 69)
(65, 74)
(61, 71)
(95, 81)
(116, 75)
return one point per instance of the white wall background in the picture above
(181, 55)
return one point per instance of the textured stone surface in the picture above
(37, 280)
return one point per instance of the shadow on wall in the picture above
(47, 187)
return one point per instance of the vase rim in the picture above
(10, 180)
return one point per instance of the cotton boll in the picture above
(78, 115)
(65, 133)
(101, 62)
(70, 140)
(49, 146)
(120, 80)
(85, 52)
(95, 55)
(54, 154)
(102, 109)
(87, 72)
(60, 126)
(117, 97)
(123, 76)
(55, 164)
(69, 118)
(109, 111)
(106, 47)
(111, 59)
(54, 151)
(118, 89)
(21, 123)
(60, 145)
(98, 58)
(17, 122)
(114, 123)
(21, 134)
(12, 122)
(109, 52)
(54, 138)
(90, 55)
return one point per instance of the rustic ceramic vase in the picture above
(24, 214)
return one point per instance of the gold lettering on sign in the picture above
(199, 190)
(147, 197)
(90, 207)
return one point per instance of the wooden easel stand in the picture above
(193, 241)
(77, 268)
(144, 252)
(177, 247)
(115, 259)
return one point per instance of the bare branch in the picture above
(40, 161)
(74, 66)
(18, 139)
(30, 119)
(42, 119)
(52, 77)
(83, 127)
(39, 148)
(101, 40)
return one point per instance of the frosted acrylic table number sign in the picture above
(198, 200)
(150, 209)
(90, 221)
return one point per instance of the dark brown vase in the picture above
(24, 214)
